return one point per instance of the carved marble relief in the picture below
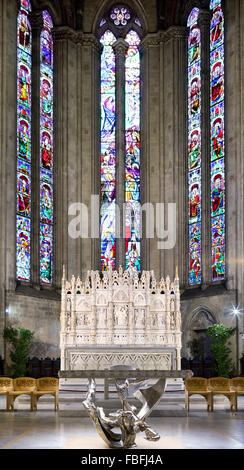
(123, 310)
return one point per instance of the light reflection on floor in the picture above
(47, 430)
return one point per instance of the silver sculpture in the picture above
(128, 419)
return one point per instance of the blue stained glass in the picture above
(46, 151)
(194, 147)
(217, 116)
(107, 152)
(214, 3)
(193, 17)
(132, 155)
(108, 149)
(23, 202)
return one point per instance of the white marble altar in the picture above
(121, 318)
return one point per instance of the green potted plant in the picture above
(20, 340)
(220, 335)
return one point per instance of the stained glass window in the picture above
(108, 152)
(120, 16)
(132, 152)
(46, 151)
(23, 218)
(194, 148)
(217, 140)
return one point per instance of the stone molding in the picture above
(65, 33)
(80, 360)
(36, 20)
(174, 32)
(204, 18)
(150, 40)
(120, 47)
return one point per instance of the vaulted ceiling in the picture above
(70, 12)
(175, 12)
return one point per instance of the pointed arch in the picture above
(136, 9)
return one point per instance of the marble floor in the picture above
(47, 429)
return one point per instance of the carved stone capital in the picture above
(91, 41)
(174, 32)
(36, 20)
(204, 18)
(150, 40)
(64, 33)
(120, 47)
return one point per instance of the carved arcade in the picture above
(120, 318)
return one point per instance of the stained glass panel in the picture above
(23, 208)
(132, 157)
(217, 140)
(194, 148)
(120, 16)
(46, 151)
(107, 152)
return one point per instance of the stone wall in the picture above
(37, 314)
(77, 163)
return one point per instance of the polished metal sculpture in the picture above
(129, 420)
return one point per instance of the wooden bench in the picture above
(6, 385)
(46, 386)
(237, 386)
(197, 386)
(221, 386)
(21, 386)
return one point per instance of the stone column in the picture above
(204, 24)
(120, 48)
(36, 27)
(151, 163)
(131, 324)
(73, 311)
(173, 146)
(8, 13)
(110, 323)
(234, 142)
(63, 321)
(67, 148)
(93, 327)
(90, 139)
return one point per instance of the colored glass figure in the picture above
(132, 154)
(23, 205)
(195, 252)
(217, 140)
(46, 151)
(107, 152)
(194, 148)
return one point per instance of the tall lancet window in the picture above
(217, 140)
(23, 218)
(194, 149)
(108, 152)
(46, 151)
(120, 137)
(132, 146)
